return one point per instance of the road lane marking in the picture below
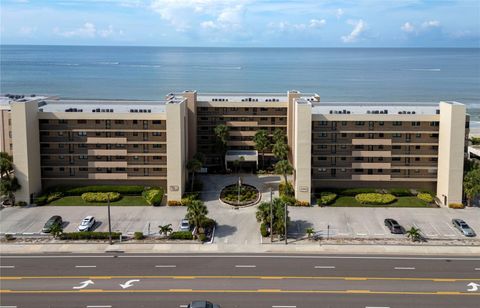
(99, 306)
(164, 266)
(245, 266)
(269, 290)
(324, 267)
(376, 307)
(183, 306)
(477, 268)
(404, 268)
(85, 266)
(8, 306)
(180, 290)
(277, 306)
(358, 291)
(7, 266)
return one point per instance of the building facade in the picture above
(332, 145)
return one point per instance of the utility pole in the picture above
(285, 215)
(271, 215)
(109, 221)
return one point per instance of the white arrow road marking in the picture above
(129, 283)
(84, 284)
(473, 287)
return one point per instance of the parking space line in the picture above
(477, 268)
(324, 267)
(404, 268)
(7, 266)
(165, 266)
(245, 266)
(276, 306)
(85, 266)
(99, 306)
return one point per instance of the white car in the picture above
(87, 223)
(184, 225)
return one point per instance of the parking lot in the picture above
(239, 226)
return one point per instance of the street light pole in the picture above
(109, 221)
(271, 215)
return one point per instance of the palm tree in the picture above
(262, 143)
(283, 167)
(280, 150)
(165, 229)
(194, 166)
(222, 133)
(57, 230)
(309, 232)
(278, 135)
(196, 213)
(471, 185)
(8, 187)
(6, 164)
(414, 234)
(278, 210)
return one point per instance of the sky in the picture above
(242, 23)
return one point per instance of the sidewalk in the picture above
(473, 251)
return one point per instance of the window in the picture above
(135, 134)
(321, 158)
(322, 146)
(83, 157)
(359, 123)
(343, 158)
(135, 121)
(381, 123)
(396, 135)
(358, 147)
(434, 135)
(97, 121)
(43, 121)
(119, 134)
(157, 146)
(359, 135)
(44, 145)
(344, 135)
(397, 123)
(135, 157)
(323, 134)
(60, 133)
(396, 159)
(396, 147)
(323, 123)
(157, 157)
(156, 122)
(119, 121)
(343, 146)
(381, 135)
(344, 123)
(81, 121)
(417, 147)
(434, 123)
(418, 135)
(395, 170)
(415, 123)
(417, 158)
(156, 134)
(322, 169)
(82, 133)
(343, 170)
(61, 157)
(61, 169)
(43, 133)
(83, 169)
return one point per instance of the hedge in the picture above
(425, 197)
(400, 192)
(375, 198)
(282, 187)
(326, 198)
(355, 191)
(101, 196)
(175, 203)
(138, 236)
(122, 189)
(153, 196)
(49, 197)
(301, 203)
(181, 235)
(263, 230)
(456, 206)
(91, 235)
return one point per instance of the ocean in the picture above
(337, 74)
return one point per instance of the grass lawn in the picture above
(77, 200)
(344, 201)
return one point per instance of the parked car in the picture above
(393, 226)
(184, 225)
(463, 227)
(202, 304)
(53, 221)
(87, 223)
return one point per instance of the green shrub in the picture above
(54, 196)
(456, 206)
(9, 237)
(208, 223)
(355, 191)
(181, 235)
(285, 189)
(138, 236)
(191, 196)
(41, 200)
(91, 235)
(153, 196)
(375, 198)
(174, 203)
(21, 203)
(101, 196)
(425, 197)
(400, 192)
(263, 230)
(301, 203)
(124, 190)
(289, 200)
(202, 237)
(326, 198)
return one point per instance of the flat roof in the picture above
(245, 97)
(113, 106)
(376, 108)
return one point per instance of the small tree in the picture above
(196, 213)
(57, 230)
(194, 166)
(8, 187)
(221, 134)
(309, 232)
(471, 185)
(280, 150)
(279, 135)
(6, 165)
(414, 234)
(284, 168)
(165, 229)
(278, 211)
(262, 143)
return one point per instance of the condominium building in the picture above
(382, 145)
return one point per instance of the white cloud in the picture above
(359, 27)
(89, 30)
(27, 31)
(431, 24)
(228, 19)
(315, 23)
(407, 27)
(339, 12)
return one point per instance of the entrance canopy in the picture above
(241, 155)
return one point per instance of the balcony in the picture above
(372, 153)
(107, 176)
(372, 141)
(240, 123)
(107, 152)
(371, 177)
(106, 140)
(371, 165)
(107, 164)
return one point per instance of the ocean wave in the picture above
(66, 64)
(425, 69)
(142, 65)
(108, 63)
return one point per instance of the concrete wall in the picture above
(302, 149)
(292, 96)
(5, 139)
(26, 149)
(451, 148)
(177, 132)
(191, 97)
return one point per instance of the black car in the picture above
(394, 226)
(53, 221)
(202, 304)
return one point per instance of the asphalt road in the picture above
(278, 281)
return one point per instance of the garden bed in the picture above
(78, 201)
(249, 195)
(347, 201)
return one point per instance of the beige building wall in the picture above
(5, 139)
(177, 132)
(26, 149)
(451, 148)
(191, 97)
(291, 96)
(302, 150)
